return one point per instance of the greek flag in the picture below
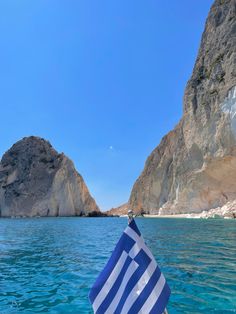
(131, 282)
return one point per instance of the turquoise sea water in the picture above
(47, 265)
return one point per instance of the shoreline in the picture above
(168, 216)
(189, 216)
(152, 216)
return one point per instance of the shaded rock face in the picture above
(194, 167)
(37, 181)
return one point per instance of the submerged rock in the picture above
(35, 180)
(194, 167)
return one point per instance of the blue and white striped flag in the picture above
(131, 281)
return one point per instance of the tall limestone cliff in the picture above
(37, 181)
(194, 167)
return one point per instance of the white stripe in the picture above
(150, 302)
(135, 250)
(132, 233)
(138, 288)
(131, 269)
(110, 281)
(139, 241)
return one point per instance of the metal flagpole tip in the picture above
(130, 215)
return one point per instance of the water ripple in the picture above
(48, 265)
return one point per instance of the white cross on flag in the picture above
(131, 281)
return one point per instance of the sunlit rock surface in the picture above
(118, 211)
(194, 167)
(226, 211)
(37, 181)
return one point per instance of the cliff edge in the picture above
(194, 167)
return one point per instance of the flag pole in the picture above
(130, 218)
(130, 215)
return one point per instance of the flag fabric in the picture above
(131, 281)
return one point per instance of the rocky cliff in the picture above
(194, 167)
(118, 211)
(37, 181)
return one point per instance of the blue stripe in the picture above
(133, 226)
(162, 301)
(143, 260)
(125, 244)
(111, 294)
(135, 308)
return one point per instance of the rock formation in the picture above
(226, 211)
(118, 211)
(194, 167)
(37, 181)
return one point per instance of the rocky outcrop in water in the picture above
(194, 167)
(37, 181)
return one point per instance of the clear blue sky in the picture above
(103, 80)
